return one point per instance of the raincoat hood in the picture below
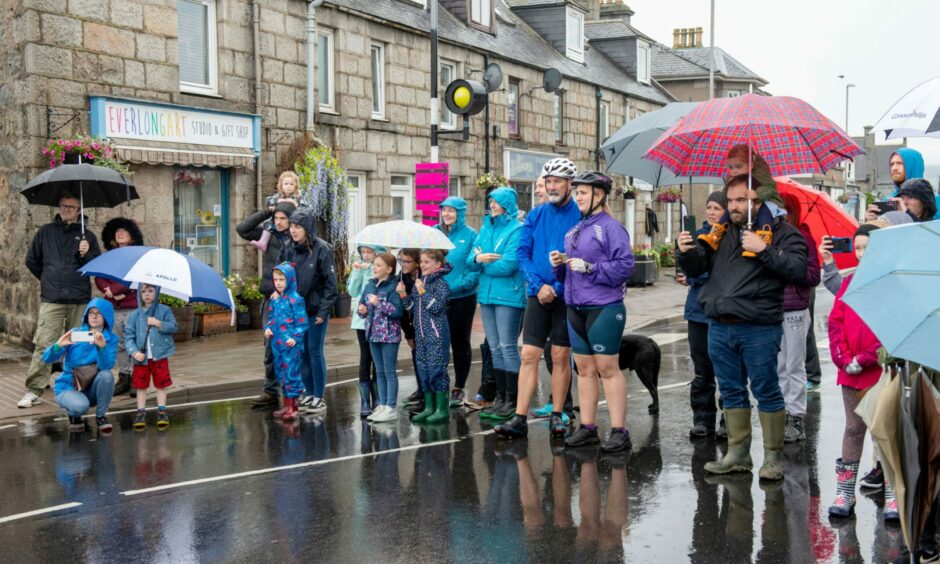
(140, 300)
(304, 217)
(506, 198)
(458, 204)
(129, 225)
(920, 188)
(443, 271)
(913, 162)
(106, 309)
(377, 248)
(290, 274)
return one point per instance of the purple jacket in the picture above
(796, 298)
(601, 241)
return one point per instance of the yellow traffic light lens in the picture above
(462, 97)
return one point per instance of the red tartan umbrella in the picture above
(791, 135)
(822, 216)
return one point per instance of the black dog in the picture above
(642, 355)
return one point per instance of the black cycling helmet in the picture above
(595, 179)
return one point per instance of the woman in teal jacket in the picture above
(501, 294)
(462, 282)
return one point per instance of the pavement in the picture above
(231, 364)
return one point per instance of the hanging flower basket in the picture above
(629, 192)
(491, 180)
(83, 149)
(669, 196)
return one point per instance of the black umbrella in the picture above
(95, 186)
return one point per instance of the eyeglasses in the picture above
(64, 207)
(406, 261)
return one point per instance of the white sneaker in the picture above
(375, 412)
(316, 405)
(29, 400)
(388, 414)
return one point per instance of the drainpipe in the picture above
(256, 38)
(311, 59)
(597, 120)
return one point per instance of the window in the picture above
(357, 203)
(512, 107)
(559, 118)
(454, 187)
(197, 46)
(643, 62)
(402, 198)
(525, 194)
(326, 92)
(481, 12)
(732, 93)
(574, 35)
(199, 213)
(446, 75)
(603, 126)
(378, 81)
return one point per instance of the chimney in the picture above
(698, 37)
(675, 38)
(615, 10)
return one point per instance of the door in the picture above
(357, 204)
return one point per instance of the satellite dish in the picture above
(551, 80)
(492, 77)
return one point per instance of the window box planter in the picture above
(184, 323)
(645, 273)
(213, 323)
(343, 306)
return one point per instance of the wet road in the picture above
(225, 483)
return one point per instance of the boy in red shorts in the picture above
(148, 338)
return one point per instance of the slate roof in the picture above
(598, 30)
(693, 61)
(515, 42)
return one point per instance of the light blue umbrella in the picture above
(896, 291)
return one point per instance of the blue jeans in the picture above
(99, 394)
(314, 371)
(385, 357)
(502, 326)
(740, 352)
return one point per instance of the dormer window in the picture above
(481, 13)
(574, 35)
(643, 62)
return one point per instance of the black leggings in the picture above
(366, 366)
(460, 313)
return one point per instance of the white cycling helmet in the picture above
(560, 167)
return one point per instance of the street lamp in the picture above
(847, 86)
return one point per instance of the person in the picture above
(359, 276)
(903, 165)
(312, 260)
(594, 268)
(541, 196)
(743, 299)
(702, 389)
(462, 305)
(288, 192)
(56, 253)
(381, 308)
(545, 315)
(148, 338)
(251, 229)
(285, 328)
(427, 303)
(410, 260)
(120, 232)
(916, 198)
(791, 361)
(854, 349)
(501, 296)
(831, 277)
(99, 354)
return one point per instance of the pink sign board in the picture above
(432, 182)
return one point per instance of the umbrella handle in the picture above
(81, 195)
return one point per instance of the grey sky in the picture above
(883, 47)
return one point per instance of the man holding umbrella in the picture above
(58, 249)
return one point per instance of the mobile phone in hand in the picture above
(885, 207)
(688, 224)
(841, 245)
(83, 336)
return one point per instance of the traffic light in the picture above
(465, 97)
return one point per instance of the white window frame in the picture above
(330, 106)
(212, 53)
(448, 119)
(358, 194)
(405, 191)
(558, 117)
(643, 62)
(481, 12)
(378, 80)
(574, 45)
(454, 181)
(732, 93)
(605, 120)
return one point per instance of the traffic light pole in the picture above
(435, 107)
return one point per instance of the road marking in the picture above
(283, 468)
(39, 512)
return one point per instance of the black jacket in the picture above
(748, 288)
(250, 229)
(313, 262)
(53, 258)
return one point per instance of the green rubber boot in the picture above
(428, 409)
(738, 457)
(772, 425)
(442, 413)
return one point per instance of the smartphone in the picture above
(688, 224)
(83, 336)
(885, 207)
(841, 244)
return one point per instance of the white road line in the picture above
(39, 512)
(283, 468)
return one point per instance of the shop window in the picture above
(326, 92)
(198, 54)
(200, 215)
(525, 194)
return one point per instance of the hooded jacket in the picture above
(461, 280)
(429, 310)
(693, 309)
(913, 169)
(161, 340)
(107, 238)
(287, 313)
(922, 190)
(501, 281)
(81, 354)
(603, 242)
(543, 232)
(850, 337)
(356, 283)
(251, 228)
(53, 258)
(313, 262)
(382, 321)
(796, 297)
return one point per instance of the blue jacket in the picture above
(382, 321)
(693, 309)
(461, 280)
(287, 313)
(913, 168)
(543, 232)
(161, 340)
(80, 354)
(356, 283)
(501, 281)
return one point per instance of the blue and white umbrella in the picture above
(177, 275)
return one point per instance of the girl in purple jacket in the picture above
(381, 307)
(594, 268)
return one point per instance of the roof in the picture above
(694, 61)
(534, 3)
(598, 30)
(515, 42)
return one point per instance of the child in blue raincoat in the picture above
(287, 327)
(148, 338)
